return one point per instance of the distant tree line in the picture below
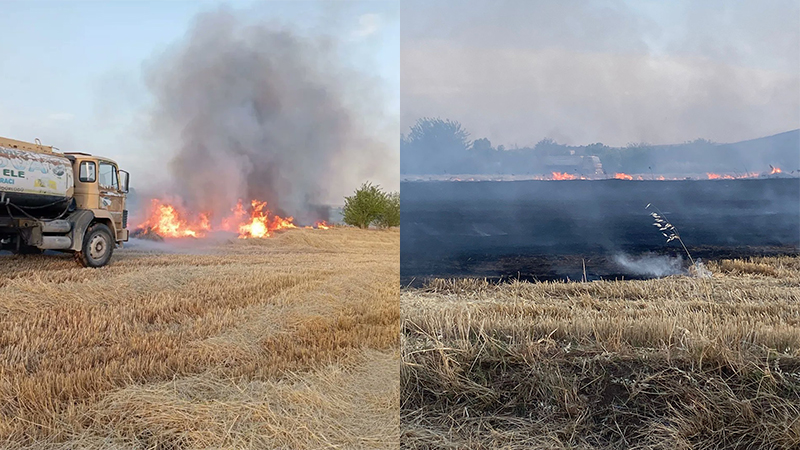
(442, 146)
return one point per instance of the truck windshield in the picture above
(108, 176)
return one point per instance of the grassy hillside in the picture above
(284, 342)
(672, 363)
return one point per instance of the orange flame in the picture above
(775, 170)
(205, 222)
(322, 225)
(563, 176)
(716, 176)
(258, 223)
(622, 176)
(167, 221)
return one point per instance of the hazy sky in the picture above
(72, 73)
(603, 71)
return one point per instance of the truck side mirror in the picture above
(124, 178)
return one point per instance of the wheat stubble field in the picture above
(673, 363)
(286, 342)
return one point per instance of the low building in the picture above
(574, 164)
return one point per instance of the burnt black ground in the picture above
(547, 230)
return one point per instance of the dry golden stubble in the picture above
(677, 362)
(295, 307)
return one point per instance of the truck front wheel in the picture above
(97, 246)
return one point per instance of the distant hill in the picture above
(782, 148)
(787, 138)
(754, 155)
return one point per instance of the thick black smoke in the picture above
(258, 111)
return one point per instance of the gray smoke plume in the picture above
(258, 111)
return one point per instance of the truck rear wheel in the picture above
(98, 245)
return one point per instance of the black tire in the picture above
(98, 245)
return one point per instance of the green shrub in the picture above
(364, 207)
(370, 205)
(390, 216)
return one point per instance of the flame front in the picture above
(716, 176)
(622, 176)
(563, 176)
(167, 221)
(257, 221)
(775, 170)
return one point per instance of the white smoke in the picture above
(650, 265)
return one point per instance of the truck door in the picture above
(111, 196)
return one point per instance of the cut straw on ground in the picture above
(672, 363)
(287, 342)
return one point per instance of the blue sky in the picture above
(71, 72)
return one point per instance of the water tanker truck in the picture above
(68, 202)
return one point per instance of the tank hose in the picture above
(7, 201)
(40, 206)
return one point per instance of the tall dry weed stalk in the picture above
(671, 233)
(667, 229)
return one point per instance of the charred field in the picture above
(284, 342)
(548, 230)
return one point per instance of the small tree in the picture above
(434, 145)
(482, 145)
(365, 206)
(390, 217)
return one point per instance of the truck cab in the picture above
(101, 187)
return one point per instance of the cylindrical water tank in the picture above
(38, 182)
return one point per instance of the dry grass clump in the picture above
(674, 363)
(778, 267)
(243, 344)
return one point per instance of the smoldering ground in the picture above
(215, 243)
(545, 229)
(257, 110)
(651, 265)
